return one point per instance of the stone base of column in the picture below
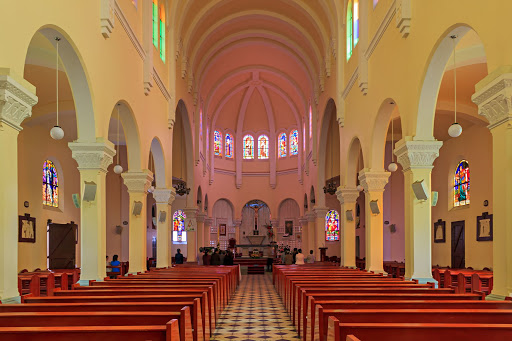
(348, 267)
(423, 280)
(85, 282)
(495, 297)
(378, 271)
(11, 300)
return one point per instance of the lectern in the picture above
(323, 256)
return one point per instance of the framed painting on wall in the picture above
(26, 229)
(440, 231)
(222, 229)
(288, 227)
(484, 227)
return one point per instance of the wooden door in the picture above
(358, 245)
(62, 245)
(458, 245)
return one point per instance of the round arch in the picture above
(159, 160)
(380, 130)
(131, 133)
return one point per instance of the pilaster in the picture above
(347, 198)
(312, 234)
(237, 223)
(207, 228)
(164, 198)
(303, 221)
(320, 213)
(191, 228)
(200, 229)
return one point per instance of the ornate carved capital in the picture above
(237, 223)
(96, 155)
(138, 182)
(16, 102)
(320, 212)
(311, 216)
(201, 217)
(191, 212)
(417, 154)
(373, 181)
(209, 221)
(495, 100)
(164, 195)
(303, 222)
(347, 195)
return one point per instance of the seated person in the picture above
(288, 258)
(299, 258)
(115, 262)
(178, 257)
(311, 257)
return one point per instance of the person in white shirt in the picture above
(311, 257)
(299, 258)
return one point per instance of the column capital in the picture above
(320, 212)
(494, 99)
(417, 154)
(237, 222)
(16, 102)
(208, 221)
(310, 216)
(93, 155)
(274, 222)
(347, 195)
(139, 181)
(164, 195)
(191, 212)
(201, 217)
(373, 181)
(303, 221)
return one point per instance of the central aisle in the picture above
(255, 313)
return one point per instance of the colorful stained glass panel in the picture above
(178, 230)
(294, 142)
(461, 184)
(332, 226)
(217, 143)
(229, 145)
(263, 147)
(50, 184)
(248, 147)
(281, 141)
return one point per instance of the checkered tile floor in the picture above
(255, 313)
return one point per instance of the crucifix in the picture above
(256, 209)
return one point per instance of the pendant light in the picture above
(331, 185)
(118, 169)
(56, 132)
(455, 129)
(392, 167)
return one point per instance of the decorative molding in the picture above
(303, 222)
(417, 154)
(311, 216)
(257, 174)
(321, 82)
(16, 102)
(161, 86)
(347, 195)
(403, 16)
(373, 181)
(179, 46)
(320, 212)
(138, 181)
(93, 155)
(184, 66)
(380, 31)
(107, 17)
(350, 83)
(191, 212)
(190, 85)
(201, 217)
(495, 100)
(164, 195)
(129, 31)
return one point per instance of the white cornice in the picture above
(129, 31)
(161, 85)
(380, 30)
(350, 83)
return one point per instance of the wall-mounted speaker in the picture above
(374, 207)
(89, 191)
(349, 215)
(76, 200)
(119, 229)
(137, 208)
(392, 228)
(420, 190)
(162, 215)
(435, 197)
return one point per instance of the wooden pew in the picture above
(28, 283)
(481, 283)
(167, 332)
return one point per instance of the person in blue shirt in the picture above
(178, 257)
(115, 262)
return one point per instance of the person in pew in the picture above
(228, 260)
(288, 258)
(215, 258)
(294, 254)
(222, 256)
(115, 262)
(206, 258)
(200, 256)
(299, 258)
(178, 257)
(311, 257)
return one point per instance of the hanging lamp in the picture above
(455, 129)
(392, 167)
(331, 185)
(118, 169)
(57, 133)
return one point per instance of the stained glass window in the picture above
(352, 26)
(304, 137)
(201, 126)
(162, 33)
(356, 22)
(155, 23)
(178, 226)
(263, 147)
(50, 185)
(310, 122)
(248, 147)
(229, 145)
(217, 143)
(461, 184)
(281, 141)
(332, 226)
(294, 142)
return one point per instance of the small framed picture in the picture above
(288, 227)
(222, 229)
(484, 227)
(440, 231)
(26, 229)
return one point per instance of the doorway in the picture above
(458, 245)
(358, 245)
(62, 239)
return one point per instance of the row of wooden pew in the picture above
(464, 280)
(180, 303)
(43, 282)
(331, 303)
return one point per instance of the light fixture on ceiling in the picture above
(118, 169)
(455, 129)
(392, 167)
(331, 184)
(57, 133)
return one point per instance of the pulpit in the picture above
(323, 254)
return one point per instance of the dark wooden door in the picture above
(358, 245)
(62, 245)
(458, 245)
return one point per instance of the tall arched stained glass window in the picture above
(162, 32)
(461, 184)
(178, 226)
(352, 26)
(248, 142)
(294, 142)
(229, 146)
(155, 23)
(217, 143)
(263, 147)
(50, 185)
(281, 142)
(310, 122)
(332, 226)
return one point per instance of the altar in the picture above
(247, 249)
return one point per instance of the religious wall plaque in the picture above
(288, 227)
(440, 231)
(222, 229)
(26, 229)
(484, 227)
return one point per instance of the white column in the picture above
(320, 213)
(373, 183)
(192, 248)
(494, 98)
(138, 183)
(312, 235)
(93, 160)
(417, 159)
(164, 199)
(305, 239)
(200, 230)
(348, 198)
(16, 104)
